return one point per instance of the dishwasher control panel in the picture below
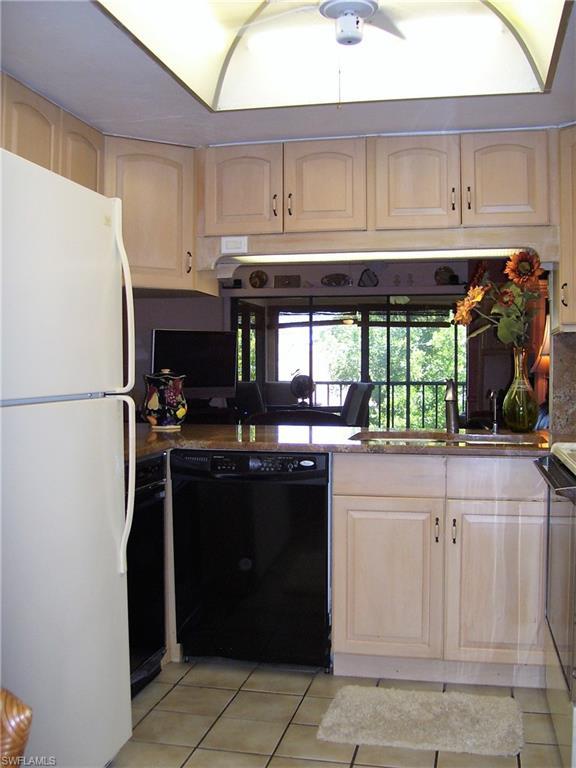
(258, 463)
(249, 465)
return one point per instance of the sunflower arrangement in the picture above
(504, 306)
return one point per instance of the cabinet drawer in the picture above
(497, 477)
(390, 475)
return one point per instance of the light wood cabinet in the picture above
(494, 589)
(155, 183)
(243, 189)
(476, 179)
(301, 186)
(566, 298)
(417, 181)
(388, 563)
(455, 574)
(504, 178)
(325, 185)
(30, 125)
(81, 153)
(42, 132)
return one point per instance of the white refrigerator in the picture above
(65, 521)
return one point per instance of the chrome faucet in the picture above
(494, 405)
(451, 400)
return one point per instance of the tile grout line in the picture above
(218, 717)
(291, 719)
(300, 696)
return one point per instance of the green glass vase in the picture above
(520, 408)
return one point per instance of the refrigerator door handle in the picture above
(130, 327)
(131, 485)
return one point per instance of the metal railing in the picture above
(397, 404)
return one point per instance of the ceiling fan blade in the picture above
(267, 18)
(382, 21)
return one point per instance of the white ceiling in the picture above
(73, 54)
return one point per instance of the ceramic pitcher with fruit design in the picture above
(164, 405)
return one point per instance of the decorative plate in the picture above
(368, 279)
(444, 276)
(258, 278)
(336, 280)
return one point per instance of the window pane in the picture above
(292, 346)
(336, 358)
(252, 353)
(398, 343)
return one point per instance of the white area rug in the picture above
(450, 722)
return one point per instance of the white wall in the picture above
(196, 313)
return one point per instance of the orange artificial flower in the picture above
(506, 298)
(476, 293)
(463, 314)
(523, 269)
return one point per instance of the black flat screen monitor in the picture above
(206, 358)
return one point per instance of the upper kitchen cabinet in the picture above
(302, 186)
(243, 189)
(504, 178)
(30, 125)
(325, 185)
(567, 278)
(417, 181)
(155, 183)
(81, 153)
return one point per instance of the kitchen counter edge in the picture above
(318, 440)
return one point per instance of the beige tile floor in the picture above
(216, 713)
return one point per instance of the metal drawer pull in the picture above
(290, 204)
(453, 530)
(274, 205)
(437, 530)
(469, 197)
(189, 267)
(562, 298)
(453, 198)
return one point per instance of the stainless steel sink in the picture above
(435, 436)
(411, 435)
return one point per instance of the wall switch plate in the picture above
(234, 244)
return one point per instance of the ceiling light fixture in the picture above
(350, 16)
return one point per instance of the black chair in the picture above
(354, 412)
(248, 400)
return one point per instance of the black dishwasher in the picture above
(251, 555)
(145, 576)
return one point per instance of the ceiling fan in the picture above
(349, 17)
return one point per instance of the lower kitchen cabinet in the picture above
(494, 587)
(387, 584)
(457, 576)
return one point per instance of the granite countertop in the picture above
(336, 440)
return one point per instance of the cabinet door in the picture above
(155, 183)
(243, 189)
(325, 185)
(387, 583)
(495, 575)
(417, 182)
(567, 277)
(30, 125)
(504, 178)
(81, 153)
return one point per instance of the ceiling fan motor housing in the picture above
(349, 28)
(349, 16)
